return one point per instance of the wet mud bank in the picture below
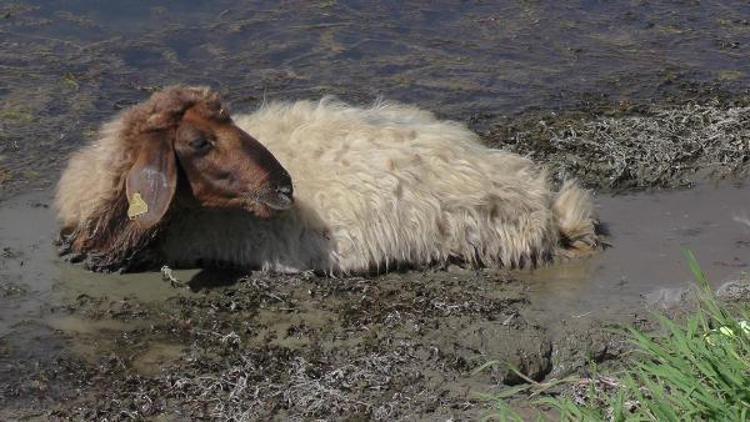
(395, 346)
(626, 147)
(75, 344)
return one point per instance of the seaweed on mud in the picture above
(103, 307)
(291, 345)
(374, 300)
(30, 385)
(256, 383)
(266, 381)
(661, 147)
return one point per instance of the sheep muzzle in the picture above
(227, 168)
(279, 199)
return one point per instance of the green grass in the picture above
(698, 368)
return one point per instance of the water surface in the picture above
(68, 65)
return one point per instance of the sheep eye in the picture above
(200, 144)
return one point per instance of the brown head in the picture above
(183, 148)
(189, 132)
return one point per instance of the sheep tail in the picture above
(576, 220)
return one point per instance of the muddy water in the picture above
(643, 266)
(121, 337)
(645, 262)
(35, 285)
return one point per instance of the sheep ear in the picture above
(151, 182)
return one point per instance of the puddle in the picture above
(28, 263)
(36, 286)
(645, 264)
(156, 358)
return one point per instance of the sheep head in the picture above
(182, 148)
(223, 166)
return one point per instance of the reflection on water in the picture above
(457, 57)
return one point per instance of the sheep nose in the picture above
(285, 190)
(284, 184)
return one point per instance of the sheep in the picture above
(371, 189)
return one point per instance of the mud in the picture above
(629, 98)
(77, 344)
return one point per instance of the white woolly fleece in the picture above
(388, 185)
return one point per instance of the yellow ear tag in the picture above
(137, 206)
